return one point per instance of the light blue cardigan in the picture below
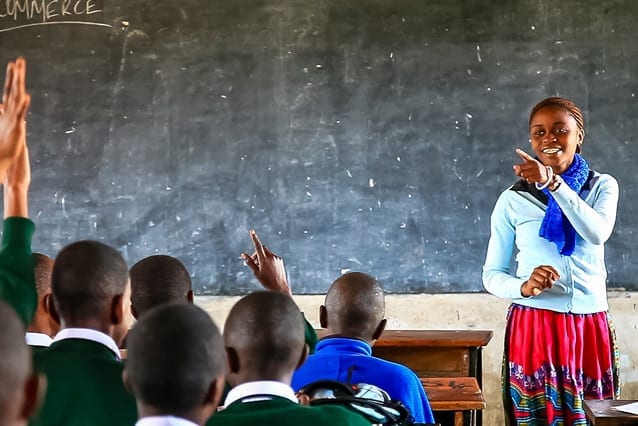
(515, 223)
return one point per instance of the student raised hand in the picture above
(268, 268)
(531, 170)
(542, 277)
(13, 111)
(16, 185)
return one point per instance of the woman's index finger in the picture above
(525, 156)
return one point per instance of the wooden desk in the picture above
(601, 413)
(435, 353)
(459, 395)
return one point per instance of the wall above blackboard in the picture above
(367, 135)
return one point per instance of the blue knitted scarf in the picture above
(555, 227)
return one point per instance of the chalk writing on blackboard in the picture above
(15, 14)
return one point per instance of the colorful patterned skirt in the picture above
(553, 361)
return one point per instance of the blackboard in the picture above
(370, 135)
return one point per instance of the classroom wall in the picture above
(472, 311)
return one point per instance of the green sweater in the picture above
(311, 337)
(84, 386)
(17, 285)
(282, 412)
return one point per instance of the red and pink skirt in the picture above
(553, 361)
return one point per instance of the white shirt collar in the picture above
(37, 339)
(164, 421)
(88, 334)
(259, 389)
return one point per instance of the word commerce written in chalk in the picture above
(44, 11)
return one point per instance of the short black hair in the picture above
(355, 305)
(42, 268)
(15, 357)
(175, 352)
(267, 329)
(86, 275)
(156, 280)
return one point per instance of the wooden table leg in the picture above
(458, 418)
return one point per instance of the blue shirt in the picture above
(515, 225)
(351, 361)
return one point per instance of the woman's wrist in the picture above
(548, 181)
(555, 183)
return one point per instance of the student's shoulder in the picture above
(78, 357)
(394, 367)
(277, 412)
(329, 414)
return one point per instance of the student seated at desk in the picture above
(354, 314)
(175, 366)
(91, 293)
(19, 388)
(44, 326)
(264, 339)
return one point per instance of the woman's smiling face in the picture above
(555, 137)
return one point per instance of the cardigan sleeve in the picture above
(593, 223)
(497, 277)
(17, 284)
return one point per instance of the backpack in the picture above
(370, 401)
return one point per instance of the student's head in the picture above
(264, 338)
(557, 130)
(19, 388)
(90, 288)
(354, 307)
(156, 280)
(43, 321)
(175, 364)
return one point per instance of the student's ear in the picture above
(133, 311)
(34, 390)
(303, 357)
(215, 391)
(189, 297)
(50, 308)
(379, 330)
(117, 309)
(233, 360)
(212, 398)
(126, 381)
(46, 300)
(323, 316)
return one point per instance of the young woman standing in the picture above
(560, 346)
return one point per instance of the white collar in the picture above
(259, 389)
(164, 421)
(37, 339)
(88, 334)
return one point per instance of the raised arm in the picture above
(270, 271)
(15, 103)
(267, 267)
(593, 223)
(17, 286)
(16, 185)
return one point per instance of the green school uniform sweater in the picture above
(282, 412)
(17, 285)
(84, 386)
